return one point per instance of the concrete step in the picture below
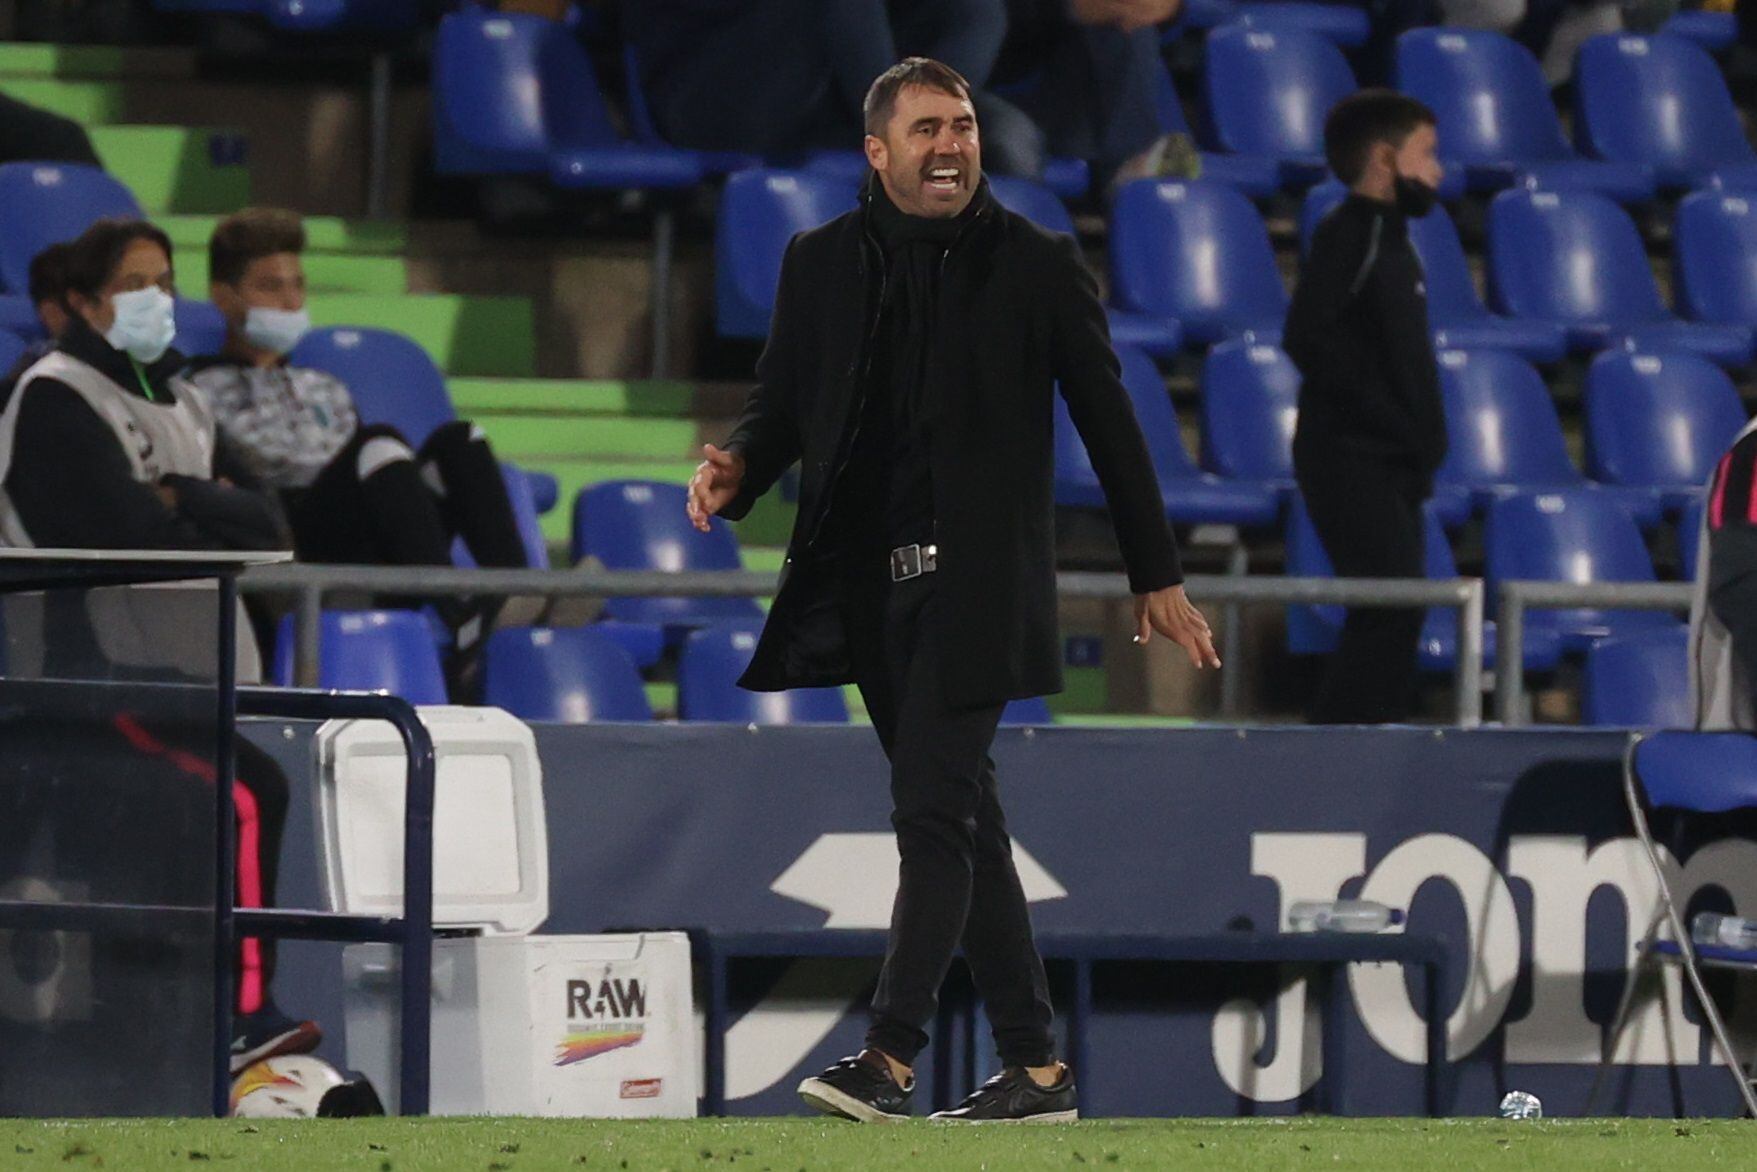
(466, 334)
(668, 400)
(177, 168)
(96, 62)
(323, 234)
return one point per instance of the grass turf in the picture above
(513, 1145)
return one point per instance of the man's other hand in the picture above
(1172, 614)
(714, 484)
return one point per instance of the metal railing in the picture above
(311, 584)
(1515, 598)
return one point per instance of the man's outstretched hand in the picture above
(1172, 614)
(714, 484)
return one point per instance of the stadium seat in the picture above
(1191, 497)
(1268, 92)
(1714, 31)
(515, 94)
(1570, 537)
(1575, 258)
(524, 512)
(1659, 422)
(1315, 630)
(642, 525)
(1345, 24)
(1639, 680)
(1160, 337)
(1496, 116)
(1032, 711)
(1459, 319)
(1714, 258)
(760, 211)
(1250, 404)
(378, 17)
(46, 203)
(643, 128)
(569, 675)
(1257, 177)
(12, 348)
(368, 651)
(18, 316)
(1662, 103)
(1690, 537)
(644, 642)
(1197, 252)
(1504, 436)
(201, 328)
(707, 685)
(391, 379)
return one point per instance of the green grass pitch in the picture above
(786, 1145)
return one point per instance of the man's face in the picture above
(143, 265)
(276, 281)
(930, 157)
(1416, 159)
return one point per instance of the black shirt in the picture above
(1358, 331)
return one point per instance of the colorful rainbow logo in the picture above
(579, 1045)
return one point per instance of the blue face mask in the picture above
(144, 325)
(276, 330)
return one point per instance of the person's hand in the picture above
(1172, 614)
(714, 484)
(167, 494)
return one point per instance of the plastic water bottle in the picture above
(1720, 931)
(1521, 1105)
(1342, 915)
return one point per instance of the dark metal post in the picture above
(225, 845)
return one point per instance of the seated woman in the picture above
(355, 493)
(102, 448)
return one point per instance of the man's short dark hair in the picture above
(48, 274)
(250, 235)
(92, 259)
(881, 98)
(1361, 121)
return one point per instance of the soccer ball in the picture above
(289, 1087)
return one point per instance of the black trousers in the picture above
(957, 884)
(1371, 526)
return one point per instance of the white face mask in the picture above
(276, 330)
(144, 324)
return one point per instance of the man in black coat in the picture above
(915, 348)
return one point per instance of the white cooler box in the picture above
(538, 1025)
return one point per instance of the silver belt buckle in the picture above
(912, 561)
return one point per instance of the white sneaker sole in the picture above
(1046, 1117)
(821, 1096)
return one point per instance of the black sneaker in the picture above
(1012, 1096)
(269, 1033)
(859, 1090)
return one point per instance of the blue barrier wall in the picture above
(1512, 844)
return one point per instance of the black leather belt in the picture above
(912, 561)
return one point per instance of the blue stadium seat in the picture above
(1661, 102)
(380, 17)
(201, 328)
(1714, 258)
(1315, 630)
(760, 211)
(1160, 337)
(644, 642)
(18, 316)
(1496, 116)
(707, 685)
(641, 525)
(640, 121)
(12, 348)
(1570, 537)
(1197, 252)
(1659, 422)
(1714, 31)
(569, 675)
(1255, 176)
(391, 378)
(1639, 680)
(1250, 404)
(1031, 711)
(1504, 436)
(1343, 23)
(1191, 496)
(1268, 92)
(368, 651)
(1690, 537)
(1455, 310)
(515, 94)
(46, 203)
(1575, 258)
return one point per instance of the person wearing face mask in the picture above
(356, 493)
(1372, 430)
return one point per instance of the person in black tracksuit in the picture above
(1372, 430)
(917, 346)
